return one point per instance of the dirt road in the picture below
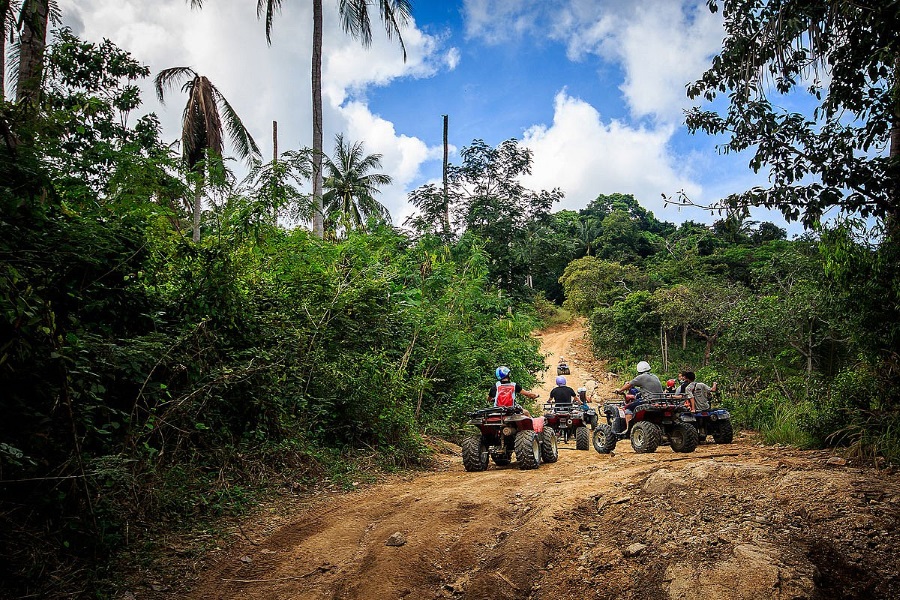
(734, 521)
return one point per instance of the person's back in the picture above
(562, 394)
(701, 394)
(649, 384)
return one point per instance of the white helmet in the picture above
(643, 367)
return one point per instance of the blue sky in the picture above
(595, 88)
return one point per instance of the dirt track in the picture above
(733, 521)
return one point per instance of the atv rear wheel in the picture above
(582, 438)
(604, 439)
(549, 448)
(474, 453)
(684, 438)
(725, 432)
(645, 437)
(528, 449)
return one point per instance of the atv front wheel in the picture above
(725, 433)
(549, 447)
(528, 449)
(645, 437)
(683, 438)
(582, 438)
(604, 439)
(474, 454)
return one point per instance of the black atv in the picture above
(570, 421)
(504, 430)
(562, 369)
(659, 419)
(715, 421)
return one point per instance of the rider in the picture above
(503, 393)
(670, 386)
(698, 394)
(562, 394)
(648, 384)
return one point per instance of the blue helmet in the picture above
(560, 381)
(502, 372)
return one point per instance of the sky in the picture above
(595, 88)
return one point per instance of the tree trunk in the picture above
(446, 193)
(708, 351)
(198, 197)
(4, 11)
(684, 332)
(31, 51)
(318, 216)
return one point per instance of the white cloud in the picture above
(660, 44)
(452, 58)
(226, 42)
(585, 157)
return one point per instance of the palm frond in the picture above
(167, 78)
(272, 7)
(395, 15)
(240, 137)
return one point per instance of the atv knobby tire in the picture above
(582, 438)
(549, 447)
(724, 433)
(474, 454)
(684, 438)
(604, 439)
(645, 437)
(528, 449)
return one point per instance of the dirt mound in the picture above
(739, 521)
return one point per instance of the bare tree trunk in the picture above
(4, 11)
(708, 352)
(31, 50)
(318, 217)
(198, 197)
(684, 332)
(446, 193)
(274, 141)
(664, 347)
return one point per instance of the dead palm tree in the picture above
(351, 187)
(356, 21)
(201, 127)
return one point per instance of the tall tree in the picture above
(845, 152)
(33, 40)
(350, 199)
(201, 127)
(355, 21)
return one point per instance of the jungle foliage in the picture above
(150, 382)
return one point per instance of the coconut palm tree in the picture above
(202, 127)
(355, 21)
(351, 187)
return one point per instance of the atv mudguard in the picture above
(523, 422)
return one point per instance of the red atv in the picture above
(570, 421)
(504, 430)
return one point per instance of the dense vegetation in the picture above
(162, 364)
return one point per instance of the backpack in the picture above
(506, 394)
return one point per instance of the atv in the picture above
(504, 430)
(659, 419)
(715, 422)
(570, 421)
(562, 368)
